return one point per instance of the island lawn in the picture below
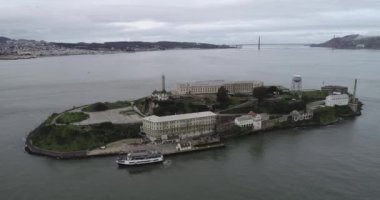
(68, 138)
(71, 117)
(100, 106)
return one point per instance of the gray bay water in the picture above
(333, 162)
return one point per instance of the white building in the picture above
(184, 146)
(175, 127)
(211, 87)
(160, 96)
(257, 122)
(337, 100)
(301, 115)
(254, 121)
(244, 121)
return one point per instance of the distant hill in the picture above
(352, 42)
(4, 39)
(17, 49)
(138, 45)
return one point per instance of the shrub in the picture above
(314, 95)
(117, 104)
(71, 117)
(222, 96)
(325, 115)
(343, 110)
(96, 107)
(66, 138)
(100, 106)
(281, 106)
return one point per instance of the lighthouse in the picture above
(354, 103)
(163, 83)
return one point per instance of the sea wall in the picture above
(30, 148)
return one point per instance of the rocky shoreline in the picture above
(168, 148)
(110, 128)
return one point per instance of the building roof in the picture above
(252, 113)
(208, 83)
(332, 96)
(244, 118)
(248, 117)
(218, 82)
(334, 87)
(155, 118)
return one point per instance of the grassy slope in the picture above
(330, 114)
(100, 106)
(67, 138)
(70, 117)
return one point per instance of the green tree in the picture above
(272, 89)
(259, 93)
(222, 96)
(96, 107)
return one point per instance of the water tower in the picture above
(296, 83)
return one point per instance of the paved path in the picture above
(128, 145)
(315, 104)
(113, 116)
(137, 110)
(248, 103)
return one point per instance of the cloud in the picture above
(214, 21)
(138, 25)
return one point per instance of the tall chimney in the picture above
(354, 94)
(259, 44)
(163, 83)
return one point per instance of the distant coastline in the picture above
(351, 42)
(11, 49)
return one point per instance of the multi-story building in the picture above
(335, 88)
(175, 127)
(211, 87)
(337, 99)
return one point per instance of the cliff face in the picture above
(352, 42)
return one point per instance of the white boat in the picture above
(140, 158)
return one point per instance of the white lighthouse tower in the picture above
(161, 95)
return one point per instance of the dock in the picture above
(128, 145)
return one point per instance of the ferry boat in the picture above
(140, 158)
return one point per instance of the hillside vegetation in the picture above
(69, 138)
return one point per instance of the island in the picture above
(355, 41)
(11, 49)
(194, 116)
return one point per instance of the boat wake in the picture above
(167, 163)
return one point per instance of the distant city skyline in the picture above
(210, 21)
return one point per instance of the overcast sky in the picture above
(213, 21)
